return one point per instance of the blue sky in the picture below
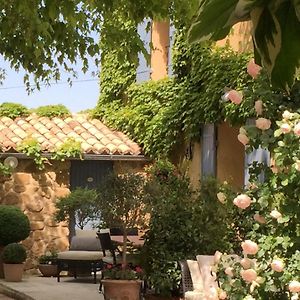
(83, 94)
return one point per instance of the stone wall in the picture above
(35, 193)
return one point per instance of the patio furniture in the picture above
(85, 253)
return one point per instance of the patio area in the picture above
(47, 288)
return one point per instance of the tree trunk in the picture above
(124, 248)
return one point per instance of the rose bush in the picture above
(268, 264)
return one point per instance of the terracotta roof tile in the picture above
(95, 137)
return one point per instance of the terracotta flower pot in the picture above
(13, 272)
(48, 270)
(121, 289)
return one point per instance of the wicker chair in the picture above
(186, 279)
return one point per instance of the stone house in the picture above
(36, 191)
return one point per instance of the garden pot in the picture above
(121, 289)
(13, 272)
(48, 270)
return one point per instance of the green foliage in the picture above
(117, 272)
(121, 202)
(69, 149)
(274, 37)
(51, 111)
(14, 225)
(14, 253)
(13, 110)
(79, 204)
(4, 170)
(31, 147)
(49, 258)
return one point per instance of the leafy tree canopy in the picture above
(276, 31)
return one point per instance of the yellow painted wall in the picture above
(230, 156)
(159, 53)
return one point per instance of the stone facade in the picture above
(35, 193)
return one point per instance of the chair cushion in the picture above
(86, 233)
(80, 255)
(195, 275)
(85, 243)
(193, 295)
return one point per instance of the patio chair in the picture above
(85, 253)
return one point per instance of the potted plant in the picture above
(121, 202)
(14, 227)
(13, 256)
(48, 263)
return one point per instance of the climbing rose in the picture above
(258, 107)
(297, 165)
(253, 69)
(234, 96)
(222, 295)
(294, 286)
(285, 128)
(263, 124)
(248, 275)
(221, 197)
(286, 115)
(217, 257)
(242, 201)
(249, 247)
(277, 265)
(229, 271)
(243, 139)
(297, 129)
(246, 263)
(275, 214)
(260, 219)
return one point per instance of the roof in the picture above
(95, 137)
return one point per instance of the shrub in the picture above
(49, 258)
(51, 111)
(13, 110)
(14, 253)
(14, 225)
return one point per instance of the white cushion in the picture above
(85, 243)
(86, 233)
(193, 295)
(195, 275)
(80, 255)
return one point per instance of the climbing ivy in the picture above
(13, 110)
(51, 111)
(69, 149)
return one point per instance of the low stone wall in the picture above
(35, 192)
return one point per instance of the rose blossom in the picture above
(221, 197)
(242, 201)
(277, 265)
(297, 129)
(285, 128)
(286, 115)
(234, 96)
(217, 256)
(253, 69)
(242, 130)
(246, 263)
(249, 247)
(222, 295)
(229, 271)
(262, 123)
(294, 286)
(248, 275)
(260, 219)
(275, 214)
(243, 139)
(258, 105)
(297, 165)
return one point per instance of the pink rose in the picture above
(297, 129)
(243, 139)
(294, 286)
(286, 115)
(263, 124)
(249, 247)
(253, 69)
(248, 275)
(285, 128)
(277, 265)
(242, 201)
(229, 271)
(258, 107)
(275, 214)
(217, 257)
(246, 263)
(260, 219)
(222, 295)
(234, 96)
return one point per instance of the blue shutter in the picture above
(258, 155)
(171, 43)
(208, 149)
(143, 70)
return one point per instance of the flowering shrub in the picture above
(131, 272)
(268, 263)
(49, 258)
